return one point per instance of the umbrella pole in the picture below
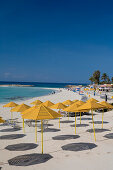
(23, 126)
(75, 122)
(102, 118)
(93, 125)
(11, 116)
(80, 117)
(36, 131)
(59, 119)
(59, 122)
(42, 134)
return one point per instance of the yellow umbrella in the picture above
(36, 102)
(72, 108)
(107, 106)
(58, 106)
(80, 102)
(1, 120)
(67, 102)
(41, 113)
(91, 105)
(75, 101)
(21, 108)
(11, 104)
(30, 110)
(48, 103)
(92, 99)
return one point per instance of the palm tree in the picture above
(112, 79)
(104, 77)
(91, 79)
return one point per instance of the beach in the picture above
(78, 151)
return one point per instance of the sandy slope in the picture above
(100, 157)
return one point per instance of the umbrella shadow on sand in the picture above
(85, 118)
(79, 146)
(97, 130)
(99, 122)
(21, 147)
(12, 136)
(10, 130)
(67, 121)
(65, 137)
(29, 159)
(80, 125)
(109, 136)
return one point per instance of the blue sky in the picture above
(55, 41)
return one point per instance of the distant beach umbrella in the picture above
(74, 108)
(37, 102)
(41, 113)
(11, 104)
(1, 120)
(107, 106)
(58, 106)
(80, 102)
(48, 103)
(91, 105)
(75, 101)
(92, 99)
(21, 108)
(67, 102)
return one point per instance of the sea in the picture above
(14, 93)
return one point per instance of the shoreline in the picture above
(57, 90)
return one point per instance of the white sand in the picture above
(100, 157)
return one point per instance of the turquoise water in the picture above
(8, 94)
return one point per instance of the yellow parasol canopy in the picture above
(80, 102)
(36, 102)
(20, 108)
(2, 121)
(107, 105)
(29, 110)
(75, 101)
(72, 108)
(41, 112)
(92, 99)
(58, 106)
(11, 104)
(91, 105)
(67, 102)
(48, 103)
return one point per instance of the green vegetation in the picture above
(95, 78)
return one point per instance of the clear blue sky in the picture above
(55, 40)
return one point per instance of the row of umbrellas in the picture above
(43, 111)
